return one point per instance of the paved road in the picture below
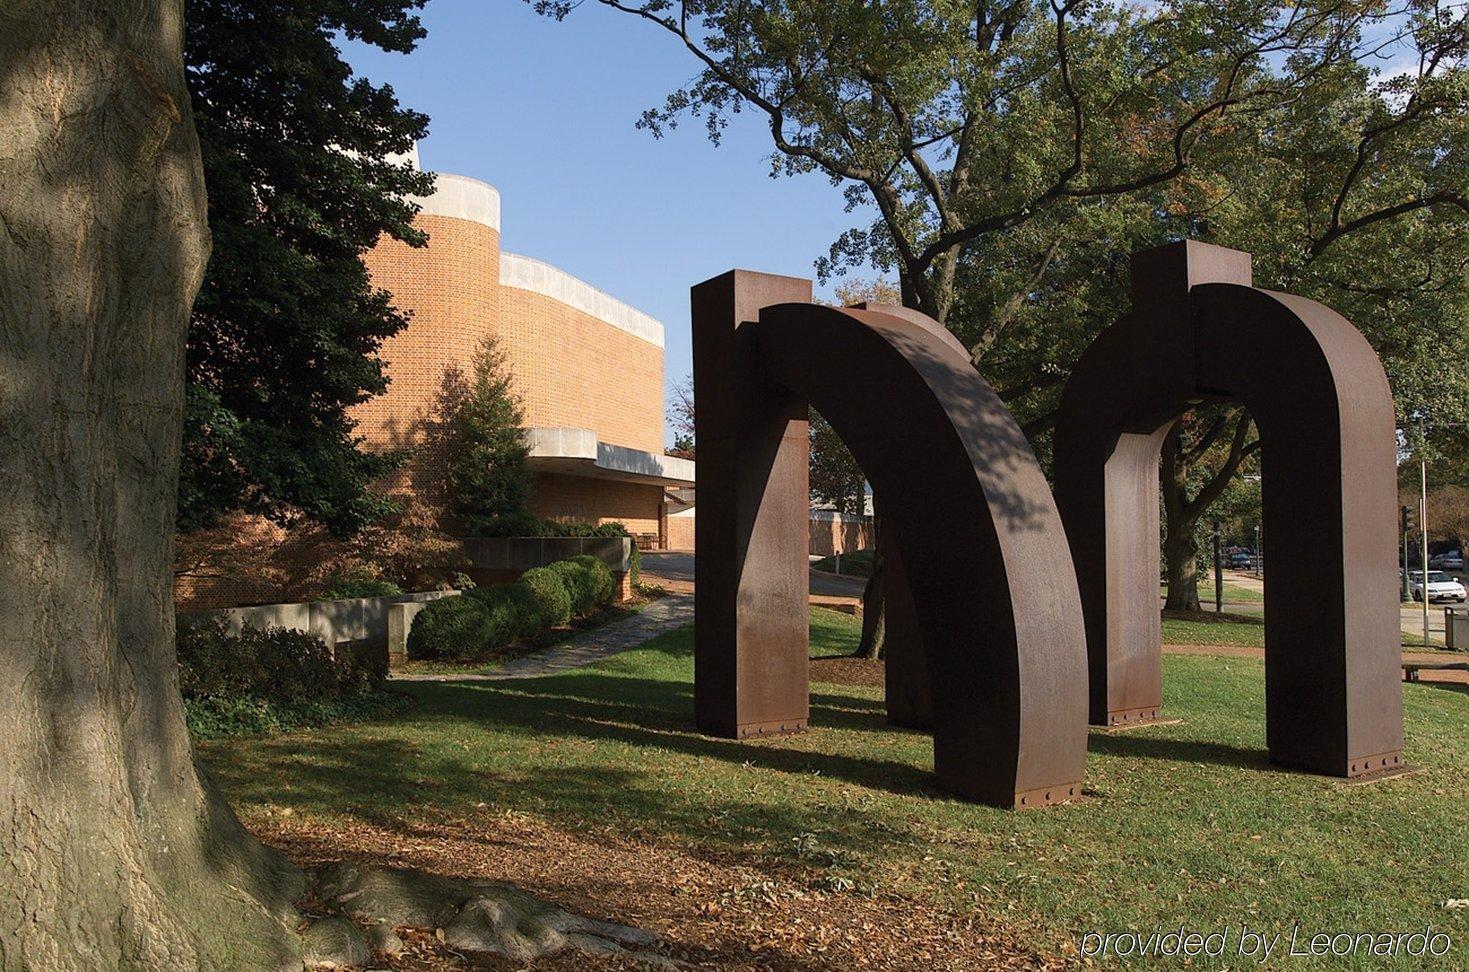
(664, 614)
(675, 571)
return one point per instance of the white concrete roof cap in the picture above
(462, 198)
(539, 277)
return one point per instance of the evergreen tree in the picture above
(489, 484)
(298, 163)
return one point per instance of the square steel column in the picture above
(751, 664)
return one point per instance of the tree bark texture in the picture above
(116, 854)
(874, 601)
(1182, 513)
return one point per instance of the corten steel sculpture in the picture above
(970, 516)
(1199, 331)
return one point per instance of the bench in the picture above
(1411, 669)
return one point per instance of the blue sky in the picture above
(545, 112)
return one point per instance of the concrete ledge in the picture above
(525, 273)
(520, 554)
(580, 452)
(462, 198)
(360, 622)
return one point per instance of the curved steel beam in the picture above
(1321, 402)
(979, 538)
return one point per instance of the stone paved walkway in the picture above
(664, 614)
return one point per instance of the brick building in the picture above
(587, 367)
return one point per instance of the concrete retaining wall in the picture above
(523, 553)
(362, 623)
(500, 560)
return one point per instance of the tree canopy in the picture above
(302, 161)
(960, 121)
(1017, 152)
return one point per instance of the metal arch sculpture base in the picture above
(764, 730)
(1047, 796)
(1136, 717)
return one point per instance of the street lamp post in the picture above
(1218, 573)
(1407, 533)
(1423, 530)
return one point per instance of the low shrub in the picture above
(527, 608)
(553, 601)
(506, 614)
(354, 586)
(274, 662)
(580, 585)
(271, 678)
(604, 585)
(450, 626)
(240, 715)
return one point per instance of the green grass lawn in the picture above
(857, 563)
(1208, 628)
(1182, 824)
(1233, 594)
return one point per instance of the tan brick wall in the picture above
(451, 290)
(575, 371)
(635, 505)
(570, 368)
(850, 534)
(681, 532)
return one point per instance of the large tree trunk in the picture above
(1180, 552)
(874, 607)
(115, 853)
(1181, 513)
(1180, 555)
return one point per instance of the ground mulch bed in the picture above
(713, 909)
(848, 671)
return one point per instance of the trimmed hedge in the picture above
(552, 598)
(486, 619)
(450, 626)
(579, 584)
(512, 611)
(604, 585)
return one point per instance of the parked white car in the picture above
(1441, 587)
(1453, 560)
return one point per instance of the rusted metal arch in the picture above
(993, 590)
(1321, 402)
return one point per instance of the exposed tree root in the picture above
(466, 914)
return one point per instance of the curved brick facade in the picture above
(578, 358)
(451, 291)
(575, 371)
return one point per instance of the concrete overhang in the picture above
(578, 452)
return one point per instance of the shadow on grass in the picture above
(1143, 747)
(384, 772)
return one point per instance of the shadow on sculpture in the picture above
(976, 535)
(1199, 331)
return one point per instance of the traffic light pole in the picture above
(1407, 532)
(1423, 532)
